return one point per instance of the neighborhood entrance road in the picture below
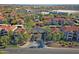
(42, 50)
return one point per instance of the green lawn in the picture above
(13, 46)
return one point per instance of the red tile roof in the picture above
(55, 29)
(7, 27)
(71, 28)
(58, 19)
(66, 28)
(1, 18)
(47, 17)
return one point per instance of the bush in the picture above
(23, 38)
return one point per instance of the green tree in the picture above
(47, 28)
(29, 24)
(58, 36)
(25, 36)
(4, 40)
(50, 37)
(14, 22)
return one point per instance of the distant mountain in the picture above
(67, 7)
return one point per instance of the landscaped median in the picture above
(63, 44)
(2, 52)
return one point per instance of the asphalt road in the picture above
(42, 50)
